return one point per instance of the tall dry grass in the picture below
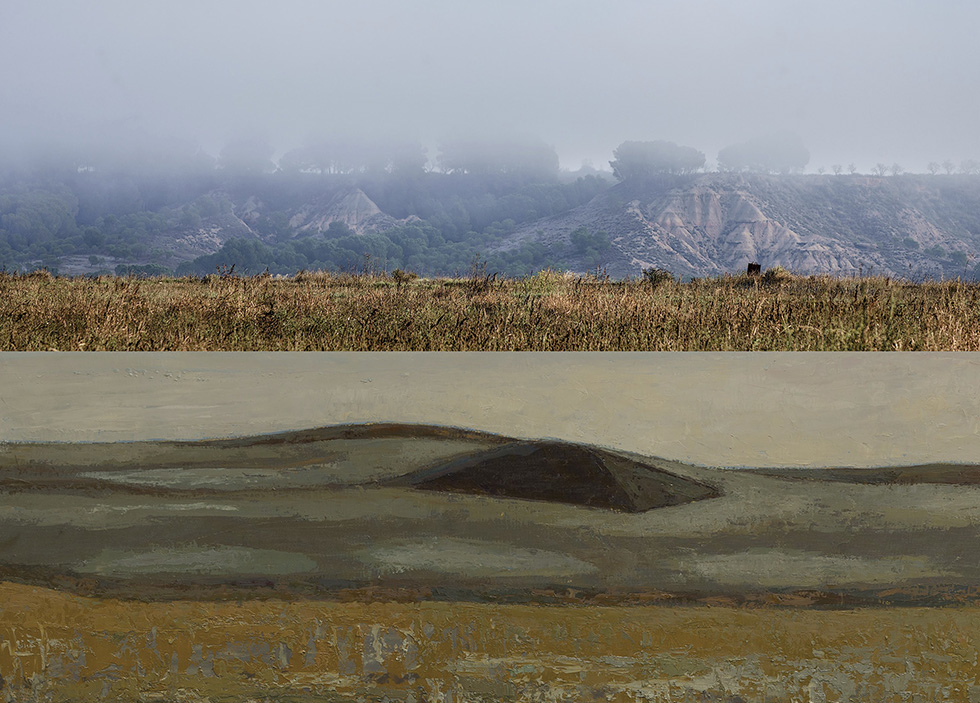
(547, 312)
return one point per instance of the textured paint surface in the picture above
(768, 540)
(58, 647)
(754, 409)
(467, 522)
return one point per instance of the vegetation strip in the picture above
(545, 312)
(60, 647)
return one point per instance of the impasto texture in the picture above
(383, 551)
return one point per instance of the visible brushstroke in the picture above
(473, 558)
(398, 511)
(341, 455)
(55, 646)
(214, 561)
(947, 474)
(781, 568)
(563, 473)
(432, 458)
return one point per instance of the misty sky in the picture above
(862, 81)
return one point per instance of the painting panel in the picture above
(741, 527)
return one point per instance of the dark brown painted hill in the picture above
(559, 472)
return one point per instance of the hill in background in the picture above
(914, 226)
(444, 223)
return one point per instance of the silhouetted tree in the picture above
(529, 160)
(301, 159)
(933, 167)
(638, 160)
(354, 156)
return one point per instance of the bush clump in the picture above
(776, 274)
(657, 277)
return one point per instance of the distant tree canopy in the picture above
(639, 160)
(346, 156)
(775, 153)
(971, 166)
(34, 216)
(134, 219)
(528, 160)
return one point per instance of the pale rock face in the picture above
(717, 223)
(251, 210)
(712, 231)
(212, 233)
(350, 207)
(698, 225)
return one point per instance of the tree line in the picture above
(132, 209)
(129, 204)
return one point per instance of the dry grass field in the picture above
(544, 312)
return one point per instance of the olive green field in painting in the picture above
(460, 514)
(812, 537)
(58, 647)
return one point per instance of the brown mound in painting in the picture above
(944, 474)
(561, 473)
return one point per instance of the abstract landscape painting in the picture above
(484, 527)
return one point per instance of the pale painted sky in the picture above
(726, 409)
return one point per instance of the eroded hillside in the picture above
(912, 226)
(437, 224)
